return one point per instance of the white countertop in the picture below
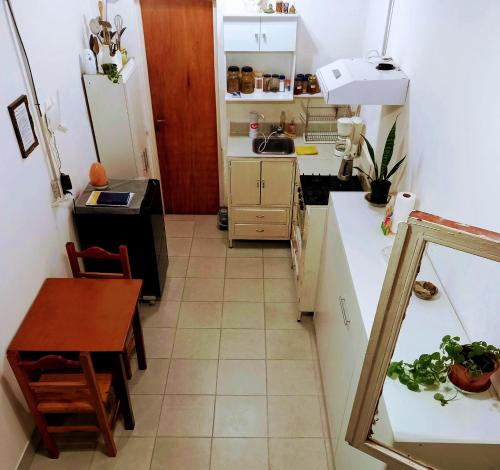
(414, 417)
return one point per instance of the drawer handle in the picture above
(260, 216)
(343, 309)
(259, 230)
(257, 37)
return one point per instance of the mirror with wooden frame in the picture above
(425, 398)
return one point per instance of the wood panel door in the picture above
(180, 52)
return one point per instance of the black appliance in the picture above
(315, 189)
(140, 226)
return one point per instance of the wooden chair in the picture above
(54, 385)
(97, 253)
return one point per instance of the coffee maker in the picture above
(348, 145)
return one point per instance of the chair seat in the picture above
(51, 398)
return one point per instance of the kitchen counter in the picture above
(426, 322)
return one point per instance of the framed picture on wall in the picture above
(24, 129)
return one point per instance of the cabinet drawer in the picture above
(260, 230)
(259, 215)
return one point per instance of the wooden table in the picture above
(84, 315)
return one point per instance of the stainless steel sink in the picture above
(274, 146)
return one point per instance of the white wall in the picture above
(450, 126)
(32, 231)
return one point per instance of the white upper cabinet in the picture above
(256, 34)
(278, 34)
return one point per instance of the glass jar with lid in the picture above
(297, 86)
(275, 82)
(267, 82)
(259, 81)
(233, 79)
(247, 80)
(312, 86)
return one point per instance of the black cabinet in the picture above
(141, 227)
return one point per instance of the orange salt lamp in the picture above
(97, 176)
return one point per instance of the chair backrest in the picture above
(60, 379)
(97, 253)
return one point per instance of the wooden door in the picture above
(245, 182)
(180, 53)
(242, 34)
(277, 178)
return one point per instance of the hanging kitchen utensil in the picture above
(101, 9)
(106, 26)
(94, 47)
(118, 20)
(95, 28)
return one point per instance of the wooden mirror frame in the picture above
(402, 270)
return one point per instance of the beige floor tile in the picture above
(134, 453)
(294, 417)
(211, 247)
(245, 249)
(242, 344)
(239, 453)
(178, 453)
(249, 268)
(74, 454)
(241, 377)
(277, 268)
(147, 410)
(192, 376)
(179, 246)
(243, 290)
(180, 228)
(174, 287)
(158, 342)
(277, 250)
(177, 266)
(208, 229)
(240, 416)
(206, 267)
(282, 316)
(288, 344)
(160, 314)
(196, 344)
(243, 315)
(187, 416)
(297, 454)
(205, 290)
(200, 315)
(179, 217)
(291, 378)
(280, 290)
(151, 381)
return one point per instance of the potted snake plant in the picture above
(380, 183)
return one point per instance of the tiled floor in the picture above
(232, 380)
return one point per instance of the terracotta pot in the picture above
(380, 191)
(460, 376)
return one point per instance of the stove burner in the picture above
(316, 188)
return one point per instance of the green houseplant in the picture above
(469, 367)
(380, 183)
(111, 71)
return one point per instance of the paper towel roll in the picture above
(405, 203)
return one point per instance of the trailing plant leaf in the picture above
(372, 156)
(388, 151)
(395, 168)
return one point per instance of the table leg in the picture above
(139, 340)
(121, 389)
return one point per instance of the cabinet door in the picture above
(277, 34)
(245, 182)
(336, 337)
(242, 34)
(277, 180)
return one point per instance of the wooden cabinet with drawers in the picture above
(260, 198)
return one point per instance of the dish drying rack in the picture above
(320, 121)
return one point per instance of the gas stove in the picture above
(315, 189)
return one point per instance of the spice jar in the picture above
(247, 80)
(312, 86)
(259, 81)
(233, 79)
(275, 82)
(282, 83)
(297, 88)
(267, 82)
